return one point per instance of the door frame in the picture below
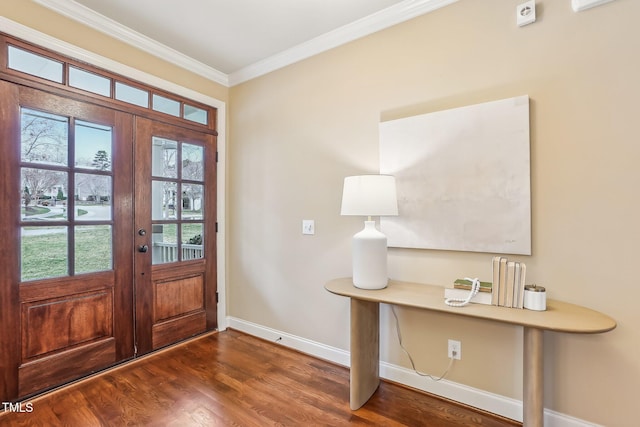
(30, 35)
(9, 283)
(12, 290)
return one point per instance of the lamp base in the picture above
(369, 252)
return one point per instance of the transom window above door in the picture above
(34, 62)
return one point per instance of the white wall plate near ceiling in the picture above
(579, 5)
(526, 13)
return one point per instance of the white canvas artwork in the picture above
(463, 178)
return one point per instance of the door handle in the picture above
(143, 248)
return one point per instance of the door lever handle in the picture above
(143, 248)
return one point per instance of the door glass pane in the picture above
(132, 95)
(192, 241)
(36, 65)
(48, 179)
(166, 105)
(90, 82)
(164, 157)
(43, 195)
(192, 162)
(192, 201)
(43, 138)
(163, 200)
(165, 243)
(177, 200)
(43, 252)
(93, 248)
(93, 197)
(93, 146)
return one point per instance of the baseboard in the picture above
(490, 402)
(303, 345)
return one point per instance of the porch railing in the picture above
(168, 252)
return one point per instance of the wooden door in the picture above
(175, 241)
(66, 221)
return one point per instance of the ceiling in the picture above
(231, 41)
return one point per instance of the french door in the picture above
(108, 227)
(66, 264)
(175, 205)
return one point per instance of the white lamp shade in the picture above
(369, 195)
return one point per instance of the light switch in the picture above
(308, 226)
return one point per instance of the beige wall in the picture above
(297, 132)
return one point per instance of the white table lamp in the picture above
(369, 195)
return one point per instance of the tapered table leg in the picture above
(365, 351)
(533, 381)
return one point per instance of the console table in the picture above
(365, 333)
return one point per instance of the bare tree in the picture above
(44, 139)
(40, 181)
(97, 185)
(193, 193)
(169, 159)
(192, 162)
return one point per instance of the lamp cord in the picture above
(413, 365)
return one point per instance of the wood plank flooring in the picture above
(233, 379)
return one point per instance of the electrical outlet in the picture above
(454, 350)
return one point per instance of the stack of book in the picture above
(508, 283)
(462, 287)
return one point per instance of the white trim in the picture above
(28, 34)
(303, 345)
(580, 5)
(385, 18)
(393, 15)
(221, 245)
(88, 17)
(494, 403)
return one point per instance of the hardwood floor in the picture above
(233, 379)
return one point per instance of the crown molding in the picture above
(88, 17)
(385, 18)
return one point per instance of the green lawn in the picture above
(188, 231)
(35, 210)
(93, 248)
(45, 254)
